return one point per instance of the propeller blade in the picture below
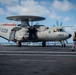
(57, 23)
(61, 24)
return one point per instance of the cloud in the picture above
(10, 2)
(1, 11)
(32, 7)
(28, 7)
(71, 30)
(66, 19)
(65, 5)
(53, 15)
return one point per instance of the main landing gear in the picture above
(19, 44)
(43, 44)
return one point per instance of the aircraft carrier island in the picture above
(37, 60)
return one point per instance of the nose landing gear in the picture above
(63, 44)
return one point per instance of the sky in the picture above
(63, 11)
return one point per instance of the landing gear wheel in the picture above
(43, 44)
(18, 43)
(63, 45)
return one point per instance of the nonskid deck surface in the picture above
(37, 60)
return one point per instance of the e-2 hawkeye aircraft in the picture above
(25, 32)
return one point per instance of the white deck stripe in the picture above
(48, 52)
(39, 55)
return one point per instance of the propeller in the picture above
(61, 24)
(32, 32)
(57, 23)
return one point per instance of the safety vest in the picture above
(74, 37)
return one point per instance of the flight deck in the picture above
(37, 60)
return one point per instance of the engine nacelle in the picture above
(22, 34)
(40, 27)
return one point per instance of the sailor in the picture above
(74, 41)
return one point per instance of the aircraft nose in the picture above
(70, 35)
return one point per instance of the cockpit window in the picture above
(60, 30)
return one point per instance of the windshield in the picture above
(60, 30)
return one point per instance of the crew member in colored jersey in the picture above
(74, 41)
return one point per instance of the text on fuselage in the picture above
(3, 30)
